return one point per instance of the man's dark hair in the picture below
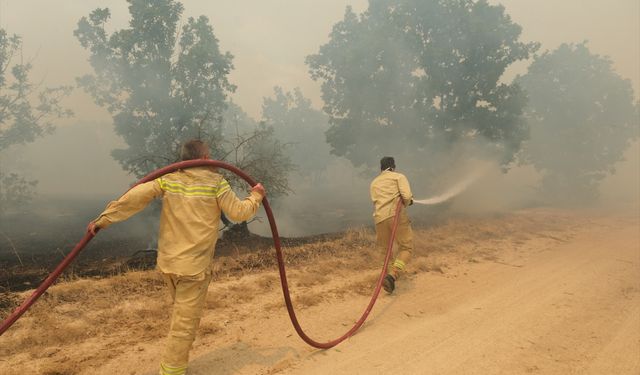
(387, 162)
(194, 149)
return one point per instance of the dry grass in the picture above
(307, 300)
(86, 309)
(365, 286)
(272, 306)
(241, 293)
(209, 328)
(311, 279)
(268, 282)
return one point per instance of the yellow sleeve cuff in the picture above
(102, 222)
(256, 196)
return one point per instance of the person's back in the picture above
(192, 202)
(386, 190)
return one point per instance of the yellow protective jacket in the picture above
(385, 191)
(192, 200)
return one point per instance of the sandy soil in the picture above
(535, 292)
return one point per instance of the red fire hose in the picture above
(276, 241)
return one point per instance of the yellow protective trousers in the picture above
(188, 294)
(404, 240)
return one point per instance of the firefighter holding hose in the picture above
(386, 190)
(192, 202)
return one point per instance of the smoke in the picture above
(620, 192)
(335, 199)
(75, 161)
(465, 185)
(498, 191)
(477, 187)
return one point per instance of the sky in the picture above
(269, 40)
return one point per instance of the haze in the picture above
(269, 41)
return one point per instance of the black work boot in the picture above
(389, 284)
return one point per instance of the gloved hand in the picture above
(92, 228)
(259, 189)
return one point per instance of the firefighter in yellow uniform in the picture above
(386, 190)
(192, 201)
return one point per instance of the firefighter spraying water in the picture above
(388, 190)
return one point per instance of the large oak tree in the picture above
(416, 78)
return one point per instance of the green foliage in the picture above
(299, 126)
(16, 191)
(412, 78)
(582, 117)
(162, 84)
(26, 113)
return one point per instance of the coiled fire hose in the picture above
(15, 315)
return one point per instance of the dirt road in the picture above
(570, 308)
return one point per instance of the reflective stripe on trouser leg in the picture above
(399, 265)
(169, 370)
(188, 304)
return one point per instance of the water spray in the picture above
(455, 189)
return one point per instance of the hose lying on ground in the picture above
(15, 315)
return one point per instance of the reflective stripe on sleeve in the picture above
(223, 187)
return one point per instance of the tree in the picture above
(582, 117)
(161, 84)
(26, 113)
(164, 85)
(414, 78)
(254, 148)
(301, 127)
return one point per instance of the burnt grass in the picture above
(32, 244)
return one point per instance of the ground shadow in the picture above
(234, 358)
